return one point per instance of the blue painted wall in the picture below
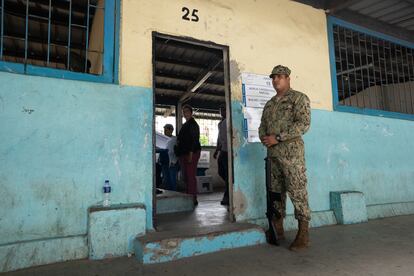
(59, 141)
(344, 151)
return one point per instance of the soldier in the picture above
(285, 118)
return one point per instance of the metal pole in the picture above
(26, 36)
(87, 38)
(69, 32)
(2, 29)
(392, 76)
(405, 82)
(411, 69)
(371, 93)
(362, 70)
(353, 61)
(374, 73)
(340, 64)
(48, 31)
(388, 108)
(347, 66)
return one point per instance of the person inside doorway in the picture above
(188, 149)
(170, 169)
(222, 152)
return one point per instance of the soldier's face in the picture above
(281, 82)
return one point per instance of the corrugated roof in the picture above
(391, 17)
(399, 13)
(180, 65)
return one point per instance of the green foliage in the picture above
(204, 140)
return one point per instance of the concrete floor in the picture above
(208, 212)
(379, 247)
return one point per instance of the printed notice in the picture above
(257, 91)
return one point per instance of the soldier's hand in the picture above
(270, 140)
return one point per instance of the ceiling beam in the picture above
(161, 44)
(192, 64)
(185, 78)
(194, 102)
(205, 94)
(202, 79)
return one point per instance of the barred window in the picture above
(372, 72)
(62, 38)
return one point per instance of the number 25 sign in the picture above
(186, 14)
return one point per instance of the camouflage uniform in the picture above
(289, 118)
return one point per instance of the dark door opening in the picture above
(188, 71)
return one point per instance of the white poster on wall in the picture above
(257, 91)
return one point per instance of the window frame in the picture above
(335, 97)
(110, 54)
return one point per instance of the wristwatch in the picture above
(278, 138)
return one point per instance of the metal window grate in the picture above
(61, 34)
(372, 72)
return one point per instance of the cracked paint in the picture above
(239, 202)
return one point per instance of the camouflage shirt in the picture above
(287, 116)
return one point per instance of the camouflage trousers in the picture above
(289, 176)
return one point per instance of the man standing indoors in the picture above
(285, 118)
(222, 150)
(173, 161)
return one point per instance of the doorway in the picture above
(187, 71)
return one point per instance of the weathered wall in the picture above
(275, 33)
(279, 32)
(59, 141)
(260, 34)
(343, 152)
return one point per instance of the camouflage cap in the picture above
(280, 70)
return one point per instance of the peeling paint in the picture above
(239, 202)
(235, 72)
(157, 252)
(386, 132)
(54, 163)
(344, 147)
(236, 137)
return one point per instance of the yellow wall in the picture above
(260, 34)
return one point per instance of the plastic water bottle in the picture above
(106, 194)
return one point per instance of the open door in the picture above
(188, 71)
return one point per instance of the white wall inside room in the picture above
(394, 97)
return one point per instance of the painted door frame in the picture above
(227, 96)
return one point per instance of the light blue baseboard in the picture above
(390, 210)
(40, 252)
(318, 219)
